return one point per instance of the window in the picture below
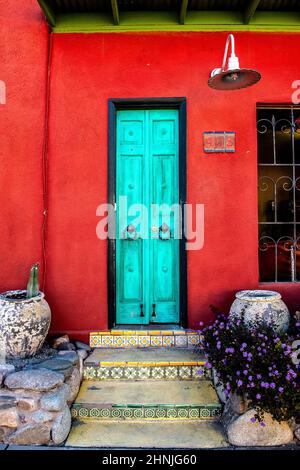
(278, 131)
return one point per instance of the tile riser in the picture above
(177, 413)
(183, 372)
(145, 341)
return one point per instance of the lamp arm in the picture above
(230, 38)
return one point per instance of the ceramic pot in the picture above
(260, 307)
(24, 323)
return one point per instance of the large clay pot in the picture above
(261, 307)
(24, 323)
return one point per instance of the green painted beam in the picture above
(250, 10)
(168, 21)
(49, 13)
(183, 11)
(115, 11)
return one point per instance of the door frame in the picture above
(114, 105)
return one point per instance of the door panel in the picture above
(164, 269)
(147, 254)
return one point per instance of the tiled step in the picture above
(117, 338)
(148, 400)
(147, 435)
(144, 364)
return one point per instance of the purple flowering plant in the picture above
(257, 364)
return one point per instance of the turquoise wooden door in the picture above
(147, 195)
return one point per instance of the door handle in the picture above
(153, 311)
(130, 232)
(164, 232)
(141, 310)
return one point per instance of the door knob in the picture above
(164, 232)
(130, 232)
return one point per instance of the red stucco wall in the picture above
(23, 59)
(86, 70)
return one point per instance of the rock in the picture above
(1, 379)
(239, 405)
(242, 432)
(228, 415)
(6, 369)
(66, 347)
(83, 354)
(218, 387)
(27, 403)
(7, 398)
(9, 417)
(40, 416)
(57, 365)
(30, 434)
(61, 426)
(74, 384)
(297, 433)
(35, 379)
(60, 340)
(4, 433)
(83, 346)
(57, 400)
(70, 356)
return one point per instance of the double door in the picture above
(148, 217)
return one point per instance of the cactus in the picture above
(33, 288)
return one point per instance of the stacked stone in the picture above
(35, 402)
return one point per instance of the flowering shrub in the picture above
(259, 365)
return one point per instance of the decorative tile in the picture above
(144, 341)
(90, 373)
(194, 413)
(130, 373)
(95, 341)
(149, 413)
(116, 372)
(132, 341)
(157, 373)
(181, 341)
(168, 340)
(185, 372)
(193, 339)
(120, 341)
(144, 372)
(205, 413)
(156, 341)
(171, 413)
(107, 341)
(171, 373)
(103, 373)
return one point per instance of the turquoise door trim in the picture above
(147, 253)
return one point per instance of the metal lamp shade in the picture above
(234, 79)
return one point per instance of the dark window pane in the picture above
(278, 138)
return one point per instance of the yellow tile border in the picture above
(162, 363)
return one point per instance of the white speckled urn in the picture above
(24, 323)
(260, 307)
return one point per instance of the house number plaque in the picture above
(219, 142)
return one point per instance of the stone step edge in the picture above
(146, 412)
(166, 372)
(144, 339)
